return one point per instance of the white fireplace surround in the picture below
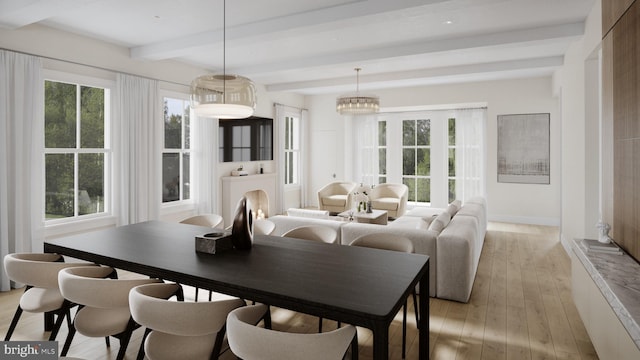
(234, 187)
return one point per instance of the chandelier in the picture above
(356, 103)
(223, 96)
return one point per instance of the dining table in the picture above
(353, 285)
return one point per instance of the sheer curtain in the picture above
(204, 161)
(138, 145)
(278, 156)
(21, 156)
(470, 152)
(365, 149)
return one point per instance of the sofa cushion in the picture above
(411, 222)
(386, 204)
(308, 213)
(453, 208)
(440, 222)
(335, 200)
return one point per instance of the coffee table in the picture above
(379, 217)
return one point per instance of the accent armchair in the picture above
(336, 196)
(390, 197)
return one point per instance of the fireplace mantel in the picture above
(234, 187)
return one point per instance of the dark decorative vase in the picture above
(242, 230)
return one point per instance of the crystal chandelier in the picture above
(223, 96)
(356, 103)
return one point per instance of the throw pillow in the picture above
(453, 208)
(440, 222)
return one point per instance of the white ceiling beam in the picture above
(16, 14)
(424, 47)
(183, 45)
(375, 81)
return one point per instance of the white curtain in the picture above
(470, 152)
(21, 156)
(138, 147)
(204, 162)
(304, 162)
(279, 127)
(365, 149)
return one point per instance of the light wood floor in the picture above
(520, 308)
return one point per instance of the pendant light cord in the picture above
(357, 80)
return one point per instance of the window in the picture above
(420, 150)
(291, 150)
(416, 159)
(77, 150)
(382, 152)
(177, 151)
(451, 129)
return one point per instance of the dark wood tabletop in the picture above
(355, 285)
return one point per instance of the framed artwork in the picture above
(523, 148)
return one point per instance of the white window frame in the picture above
(296, 144)
(182, 204)
(438, 154)
(88, 221)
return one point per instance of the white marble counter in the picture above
(618, 278)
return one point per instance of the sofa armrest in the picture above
(457, 265)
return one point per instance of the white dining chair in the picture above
(263, 227)
(39, 273)
(384, 241)
(211, 220)
(315, 233)
(179, 330)
(250, 342)
(104, 304)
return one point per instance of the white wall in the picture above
(524, 203)
(573, 83)
(77, 54)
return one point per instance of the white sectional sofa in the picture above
(453, 243)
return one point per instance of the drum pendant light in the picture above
(223, 96)
(356, 103)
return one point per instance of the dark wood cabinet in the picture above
(612, 10)
(621, 106)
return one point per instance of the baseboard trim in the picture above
(525, 220)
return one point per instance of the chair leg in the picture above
(319, 324)
(14, 323)
(57, 325)
(196, 300)
(354, 347)
(144, 338)
(215, 354)
(415, 305)
(67, 342)
(125, 337)
(404, 329)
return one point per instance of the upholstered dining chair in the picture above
(314, 232)
(251, 342)
(179, 330)
(211, 220)
(39, 272)
(391, 242)
(263, 227)
(317, 233)
(104, 304)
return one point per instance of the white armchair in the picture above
(336, 196)
(390, 197)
